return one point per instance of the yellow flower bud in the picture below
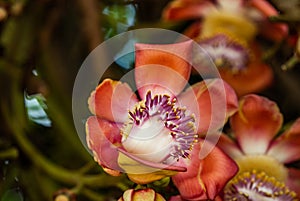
(141, 195)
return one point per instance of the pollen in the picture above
(264, 163)
(255, 185)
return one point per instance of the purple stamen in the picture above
(251, 186)
(226, 52)
(181, 127)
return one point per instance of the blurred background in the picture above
(42, 46)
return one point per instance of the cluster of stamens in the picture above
(226, 52)
(253, 186)
(181, 127)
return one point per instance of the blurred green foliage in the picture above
(12, 195)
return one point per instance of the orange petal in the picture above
(229, 146)
(217, 170)
(205, 178)
(255, 78)
(256, 123)
(103, 138)
(274, 31)
(111, 100)
(186, 10)
(212, 102)
(194, 30)
(218, 198)
(162, 69)
(263, 6)
(178, 198)
(286, 148)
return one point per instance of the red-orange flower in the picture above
(155, 133)
(262, 156)
(227, 30)
(204, 179)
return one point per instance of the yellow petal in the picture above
(140, 173)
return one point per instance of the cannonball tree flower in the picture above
(156, 133)
(227, 30)
(141, 195)
(262, 155)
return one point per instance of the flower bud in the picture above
(3, 14)
(64, 195)
(141, 195)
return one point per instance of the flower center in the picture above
(226, 52)
(263, 163)
(252, 186)
(234, 23)
(159, 131)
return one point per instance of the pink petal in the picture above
(103, 138)
(205, 178)
(263, 6)
(218, 198)
(162, 69)
(294, 181)
(111, 100)
(175, 198)
(178, 198)
(229, 147)
(256, 123)
(212, 102)
(186, 10)
(286, 148)
(274, 31)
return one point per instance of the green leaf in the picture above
(118, 19)
(36, 109)
(289, 11)
(12, 195)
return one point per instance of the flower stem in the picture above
(270, 53)
(59, 173)
(56, 172)
(91, 195)
(282, 18)
(9, 153)
(290, 63)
